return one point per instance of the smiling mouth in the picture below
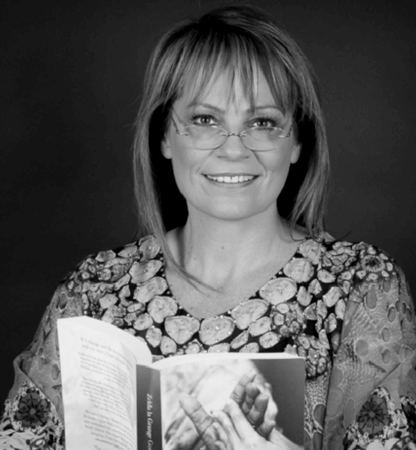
(231, 179)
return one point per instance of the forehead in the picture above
(225, 89)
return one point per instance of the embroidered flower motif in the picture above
(32, 409)
(372, 277)
(373, 416)
(373, 263)
(379, 421)
(409, 408)
(25, 440)
(38, 443)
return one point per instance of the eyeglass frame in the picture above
(227, 134)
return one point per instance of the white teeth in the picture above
(234, 179)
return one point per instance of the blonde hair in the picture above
(240, 41)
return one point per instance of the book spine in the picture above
(149, 412)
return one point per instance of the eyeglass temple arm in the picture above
(181, 133)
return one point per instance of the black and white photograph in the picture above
(213, 177)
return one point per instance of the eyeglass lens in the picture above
(253, 139)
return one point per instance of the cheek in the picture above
(277, 171)
(279, 165)
(182, 163)
(178, 173)
(185, 168)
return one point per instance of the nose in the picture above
(233, 148)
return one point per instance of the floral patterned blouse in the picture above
(344, 307)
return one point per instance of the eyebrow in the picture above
(222, 111)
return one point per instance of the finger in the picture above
(260, 380)
(241, 424)
(251, 391)
(248, 407)
(261, 402)
(232, 437)
(239, 391)
(204, 423)
(266, 428)
(266, 388)
(222, 442)
(257, 412)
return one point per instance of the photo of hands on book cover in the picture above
(197, 397)
(116, 398)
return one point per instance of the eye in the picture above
(204, 120)
(263, 122)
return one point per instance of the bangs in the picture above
(240, 58)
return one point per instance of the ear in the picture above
(166, 148)
(296, 149)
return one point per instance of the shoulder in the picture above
(366, 261)
(372, 281)
(111, 265)
(358, 269)
(104, 277)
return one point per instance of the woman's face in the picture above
(207, 178)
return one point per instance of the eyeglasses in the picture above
(211, 137)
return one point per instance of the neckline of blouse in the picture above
(255, 295)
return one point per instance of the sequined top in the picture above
(344, 307)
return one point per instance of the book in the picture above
(116, 398)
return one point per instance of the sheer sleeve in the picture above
(98, 287)
(33, 413)
(371, 399)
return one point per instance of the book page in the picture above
(98, 364)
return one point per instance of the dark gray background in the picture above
(70, 85)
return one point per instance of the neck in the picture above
(215, 250)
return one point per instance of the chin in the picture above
(231, 212)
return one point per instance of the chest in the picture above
(281, 314)
(297, 309)
(201, 301)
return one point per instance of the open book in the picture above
(115, 398)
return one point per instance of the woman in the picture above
(233, 253)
